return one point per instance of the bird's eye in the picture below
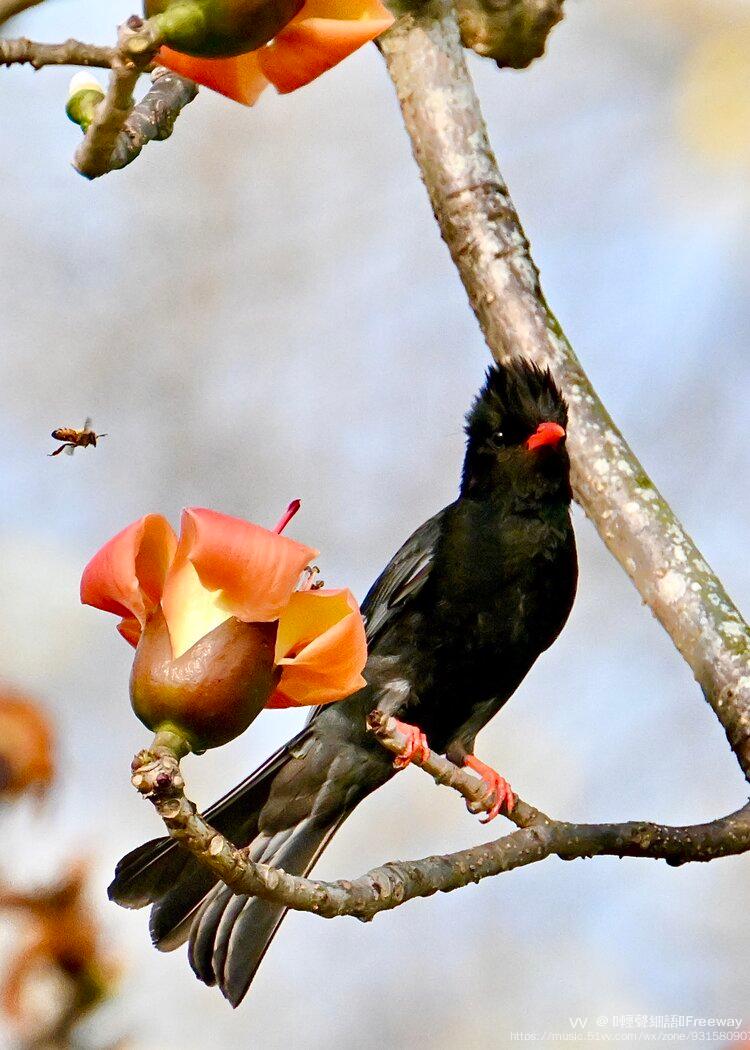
(497, 439)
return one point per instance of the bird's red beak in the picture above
(546, 434)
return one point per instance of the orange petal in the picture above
(238, 78)
(127, 575)
(130, 629)
(256, 569)
(307, 48)
(320, 648)
(344, 11)
(227, 567)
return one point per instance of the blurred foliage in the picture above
(714, 105)
(26, 746)
(59, 956)
(713, 87)
(58, 975)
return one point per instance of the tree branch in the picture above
(10, 8)
(482, 230)
(137, 44)
(69, 53)
(157, 776)
(446, 773)
(154, 117)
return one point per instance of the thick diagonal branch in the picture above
(488, 245)
(157, 776)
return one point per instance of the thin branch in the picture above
(11, 8)
(157, 776)
(151, 120)
(154, 117)
(446, 773)
(137, 44)
(69, 53)
(481, 227)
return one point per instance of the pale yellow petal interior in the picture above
(190, 609)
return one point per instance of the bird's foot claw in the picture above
(416, 745)
(499, 786)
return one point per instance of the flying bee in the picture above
(74, 439)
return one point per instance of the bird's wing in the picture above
(402, 578)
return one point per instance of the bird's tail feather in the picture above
(284, 814)
(232, 933)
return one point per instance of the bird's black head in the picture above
(516, 437)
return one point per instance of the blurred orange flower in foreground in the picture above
(220, 626)
(61, 937)
(26, 746)
(320, 34)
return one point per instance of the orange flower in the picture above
(220, 628)
(26, 746)
(319, 36)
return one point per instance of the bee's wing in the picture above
(69, 450)
(87, 424)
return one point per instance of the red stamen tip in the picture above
(287, 516)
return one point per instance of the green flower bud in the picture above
(221, 28)
(84, 95)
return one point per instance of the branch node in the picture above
(216, 845)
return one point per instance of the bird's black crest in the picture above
(516, 396)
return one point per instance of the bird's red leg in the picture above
(416, 745)
(503, 791)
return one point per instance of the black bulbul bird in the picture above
(454, 624)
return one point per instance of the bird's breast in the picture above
(490, 617)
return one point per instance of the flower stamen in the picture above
(287, 516)
(309, 583)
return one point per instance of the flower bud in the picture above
(84, 95)
(227, 27)
(213, 691)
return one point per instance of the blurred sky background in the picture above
(261, 308)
